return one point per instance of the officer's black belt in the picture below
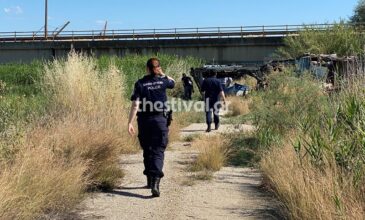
(149, 114)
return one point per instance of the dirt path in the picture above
(233, 193)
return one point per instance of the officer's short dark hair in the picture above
(150, 63)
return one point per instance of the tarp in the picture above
(236, 89)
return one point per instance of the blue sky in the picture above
(28, 15)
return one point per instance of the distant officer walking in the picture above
(188, 86)
(149, 105)
(213, 91)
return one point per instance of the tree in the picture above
(359, 12)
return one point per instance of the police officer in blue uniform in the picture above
(149, 105)
(188, 86)
(213, 92)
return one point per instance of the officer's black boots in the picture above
(209, 129)
(216, 126)
(149, 182)
(155, 189)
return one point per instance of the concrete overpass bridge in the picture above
(219, 45)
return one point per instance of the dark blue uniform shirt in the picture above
(152, 89)
(187, 81)
(212, 87)
(152, 124)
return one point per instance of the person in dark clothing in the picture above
(188, 86)
(331, 73)
(213, 91)
(149, 105)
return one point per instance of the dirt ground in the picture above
(232, 193)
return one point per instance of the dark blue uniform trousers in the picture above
(187, 92)
(212, 106)
(153, 138)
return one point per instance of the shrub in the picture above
(38, 184)
(74, 147)
(308, 192)
(238, 106)
(342, 39)
(89, 116)
(213, 153)
(285, 105)
(315, 160)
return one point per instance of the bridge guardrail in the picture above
(164, 33)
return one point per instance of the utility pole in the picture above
(46, 20)
(105, 27)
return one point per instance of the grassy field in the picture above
(63, 128)
(20, 94)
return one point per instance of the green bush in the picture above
(21, 78)
(339, 135)
(324, 128)
(288, 102)
(316, 139)
(344, 40)
(21, 98)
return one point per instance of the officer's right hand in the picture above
(131, 130)
(158, 71)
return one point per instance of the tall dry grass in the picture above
(89, 98)
(314, 147)
(308, 192)
(213, 153)
(248, 81)
(98, 148)
(89, 116)
(238, 105)
(75, 147)
(39, 183)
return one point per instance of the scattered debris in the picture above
(328, 67)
